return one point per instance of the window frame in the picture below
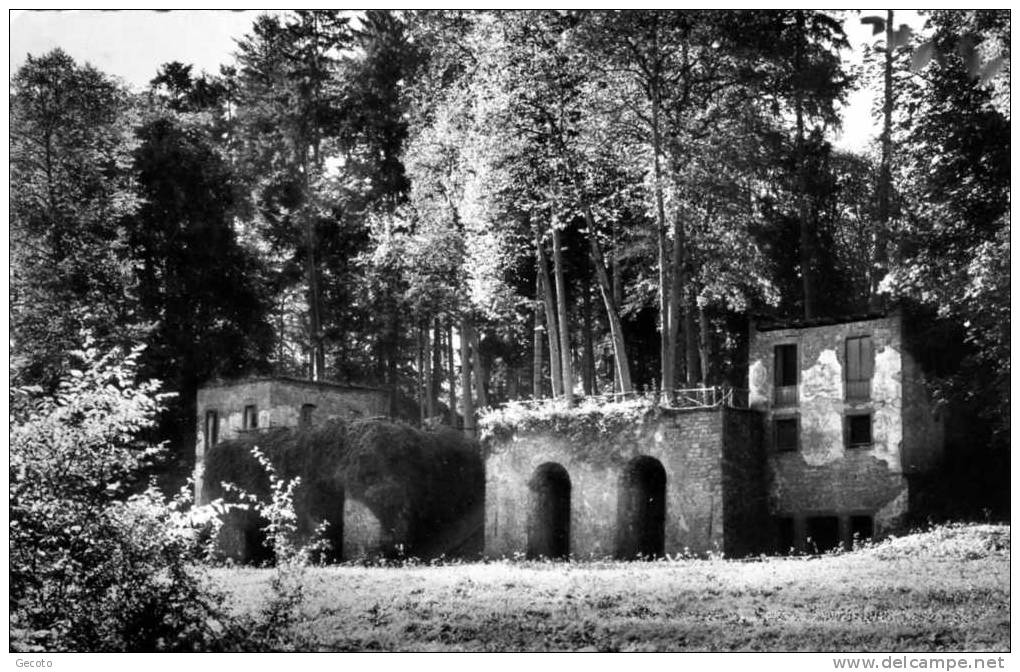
(306, 414)
(779, 364)
(848, 420)
(795, 419)
(858, 387)
(211, 437)
(250, 421)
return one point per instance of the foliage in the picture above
(955, 179)
(94, 567)
(71, 189)
(585, 423)
(202, 289)
(415, 482)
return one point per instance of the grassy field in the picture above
(944, 590)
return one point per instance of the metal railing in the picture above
(688, 397)
(786, 395)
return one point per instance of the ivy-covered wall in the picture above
(595, 446)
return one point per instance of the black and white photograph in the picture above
(506, 331)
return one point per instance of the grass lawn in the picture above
(944, 590)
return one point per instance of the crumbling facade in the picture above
(837, 424)
(822, 448)
(848, 422)
(666, 485)
(225, 410)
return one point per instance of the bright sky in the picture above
(132, 44)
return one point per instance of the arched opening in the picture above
(641, 512)
(549, 518)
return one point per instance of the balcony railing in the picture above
(786, 395)
(689, 397)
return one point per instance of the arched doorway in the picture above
(549, 515)
(641, 512)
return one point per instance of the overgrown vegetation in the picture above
(417, 483)
(98, 561)
(583, 423)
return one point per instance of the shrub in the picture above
(94, 567)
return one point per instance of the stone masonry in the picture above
(225, 410)
(714, 490)
(840, 445)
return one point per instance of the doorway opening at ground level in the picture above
(641, 512)
(549, 516)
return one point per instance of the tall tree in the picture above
(287, 109)
(72, 188)
(203, 291)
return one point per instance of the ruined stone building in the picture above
(835, 424)
(225, 410)
(823, 446)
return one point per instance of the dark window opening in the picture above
(862, 528)
(251, 417)
(786, 540)
(786, 374)
(549, 522)
(858, 430)
(212, 429)
(307, 412)
(823, 533)
(641, 512)
(860, 366)
(786, 434)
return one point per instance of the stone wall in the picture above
(825, 477)
(687, 443)
(745, 511)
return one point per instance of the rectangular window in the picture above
(860, 365)
(307, 411)
(786, 434)
(823, 533)
(858, 431)
(251, 417)
(862, 528)
(212, 429)
(786, 366)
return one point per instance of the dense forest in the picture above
(474, 207)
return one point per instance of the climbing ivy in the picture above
(585, 424)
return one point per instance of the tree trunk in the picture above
(452, 374)
(706, 370)
(426, 362)
(420, 367)
(555, 368)
(536, 346)
(691, 336)
(666, 349)
(620, 361)
(677, 278)
(480, 378)
(588, 354)
(437, 368)
(561, 304)
(881, 261)
(468, 409)
(806, 238)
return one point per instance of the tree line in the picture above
(474, 207)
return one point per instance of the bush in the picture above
(94, 567)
